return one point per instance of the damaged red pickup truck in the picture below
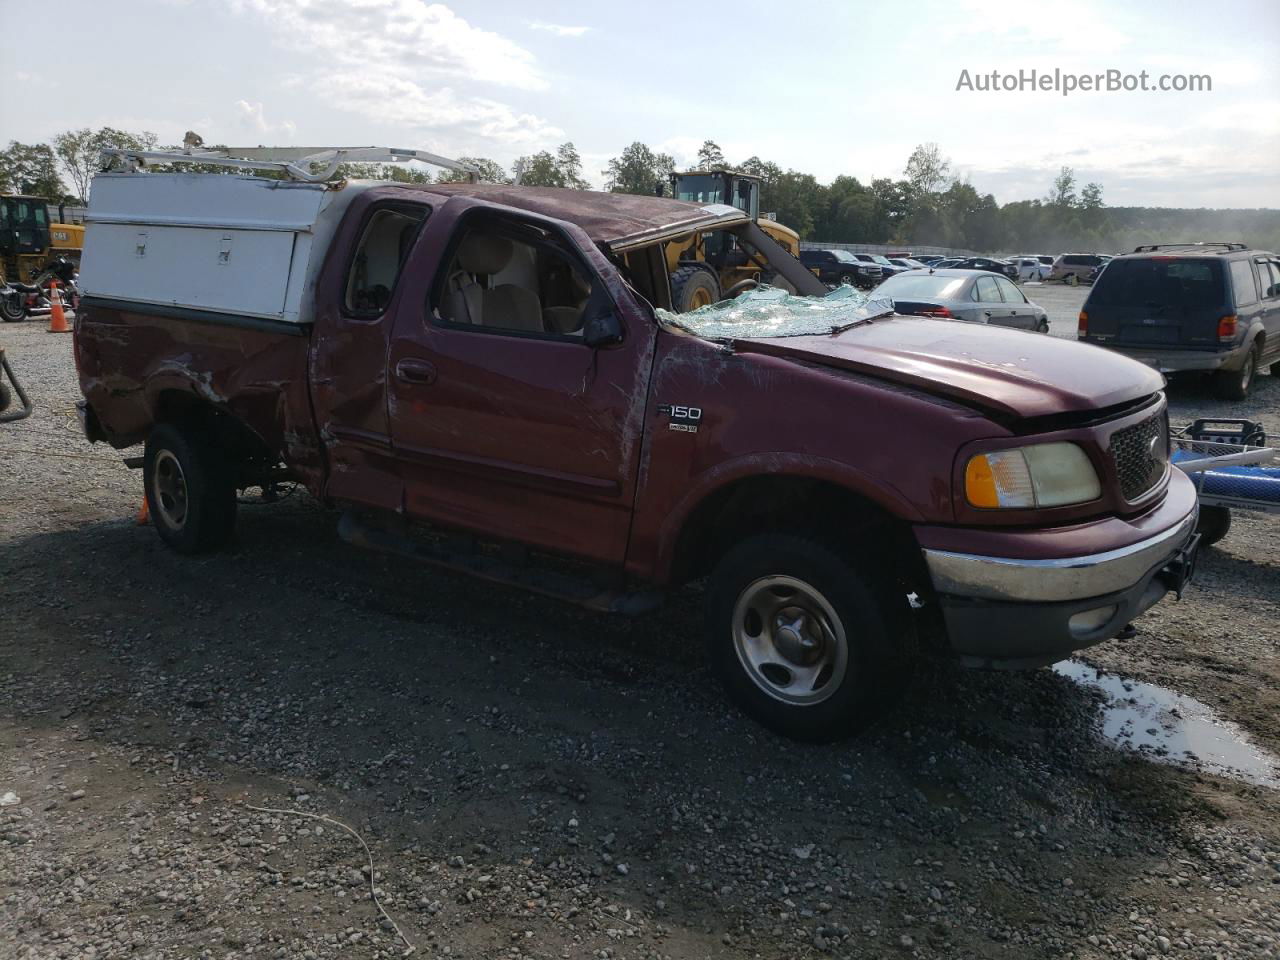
(479, 376)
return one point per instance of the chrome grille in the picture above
(1141, 455)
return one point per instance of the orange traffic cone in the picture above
(57, 319)
(144, 514)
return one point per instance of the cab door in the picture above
(505, 419)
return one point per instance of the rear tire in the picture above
(190, 488)
(6, 397)
(1235, 384)
(12, 312)
(693, 286)
(801, 638)
(1213, 525)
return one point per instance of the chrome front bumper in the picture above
(1056, 580)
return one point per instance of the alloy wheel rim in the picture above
(169, 489)
(789, 640)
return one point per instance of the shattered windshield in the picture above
(772, 312)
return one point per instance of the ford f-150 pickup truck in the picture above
(483, 376)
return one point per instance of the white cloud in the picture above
(398, 101)
(410, 35)
(559, 29)
(252, 118)
(399, 63)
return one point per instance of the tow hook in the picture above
(1178, 572)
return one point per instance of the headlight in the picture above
(1041, 475)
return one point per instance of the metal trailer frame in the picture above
(1211, 455)
(291, 161)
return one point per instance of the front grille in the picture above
(1141, 455)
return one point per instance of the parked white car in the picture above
(1030, 268)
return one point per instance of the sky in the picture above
(829, 89)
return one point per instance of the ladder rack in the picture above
(291, 161)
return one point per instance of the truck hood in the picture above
(1012, 374)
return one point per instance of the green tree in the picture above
(543, 169)
(927, 168)
(569, 162)
(639, 170)
(1063, 193)
(798, 201)
(848, 213)
(1091, 196)
(80, 152)
(490, 172)
(710, 156)
(892, 210)
(538, 170)
(31, 168)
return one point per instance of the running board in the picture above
(548, 583)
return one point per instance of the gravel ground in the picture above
(537, 781)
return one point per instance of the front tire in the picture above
(190, 488)
(1235, 384)
(801, 638)
(1213, 525)
(692, 287)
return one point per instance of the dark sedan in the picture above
(990, 264)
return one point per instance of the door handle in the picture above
(415, 371)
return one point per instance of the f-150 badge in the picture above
(684, 419)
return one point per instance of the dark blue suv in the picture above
(1190, 306)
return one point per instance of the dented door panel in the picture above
(528, 439)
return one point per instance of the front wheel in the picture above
(190, 488)
(801, 638)
(1213, 525)
(693, 287)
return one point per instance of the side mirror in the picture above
(602, 330)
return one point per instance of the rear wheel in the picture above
(1235, 384)
(800, 637)
(190, 488)
(692, 287)
(1213, 525)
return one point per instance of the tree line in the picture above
(926, 205)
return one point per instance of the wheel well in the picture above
(238, 442)
(826, 510)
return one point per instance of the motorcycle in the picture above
(15, 299)
(20, 300)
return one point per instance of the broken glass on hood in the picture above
(772, 312)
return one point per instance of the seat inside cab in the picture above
(505, 281)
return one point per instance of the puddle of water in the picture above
(1172, 728)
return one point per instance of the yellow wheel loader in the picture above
(30, 244)
(709, 267)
